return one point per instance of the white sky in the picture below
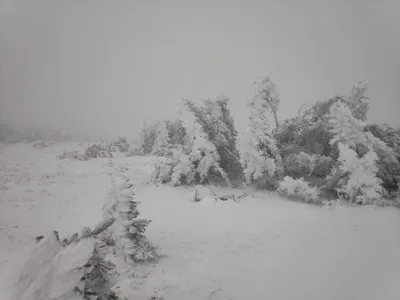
(104, 67)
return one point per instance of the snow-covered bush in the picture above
(121, 144)
(298, 188)
(98, 151)
(41, 144)
(75, 155)
(128, 231)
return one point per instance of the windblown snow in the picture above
(262, 247)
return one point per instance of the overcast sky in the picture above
(104, 67)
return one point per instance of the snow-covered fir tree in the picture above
(127, 230)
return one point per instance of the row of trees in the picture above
(328, 148)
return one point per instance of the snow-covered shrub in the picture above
(75, 155)
(260, 156)
(128, 231)
(122, 144)
(298, 188)
(360, 183)
(143, 145)
(41, 144)
(163, 170)
(197, 161)
(98, 151)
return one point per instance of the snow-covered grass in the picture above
(263, 247)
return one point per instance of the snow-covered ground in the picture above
(261, 248)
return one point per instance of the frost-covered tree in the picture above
(260, 156)
(217, 122)
(176, 132)
(197, 160)
(346, 129)
(361, 185)
(357, 101)
(143, 145)
(357, 168)
(127, 230)
(267, 95)
(162, 143)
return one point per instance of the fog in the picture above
(105, 67)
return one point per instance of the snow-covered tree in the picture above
(267, 95)
(357, 101)
(162, 143)
(361, 185)
(128, 231)
(217, 122)
(260, 156)
(357, 170)
(198, 160)
(176, 132)
(346, 129)
(143, 145)
(122, 144)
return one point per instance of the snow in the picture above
(262, 247)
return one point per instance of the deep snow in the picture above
(261, 248)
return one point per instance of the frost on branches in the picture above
(260, 156)
(197, 161)
(127, 231)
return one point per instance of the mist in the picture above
(102, 68)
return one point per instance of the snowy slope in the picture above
(261, 248)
